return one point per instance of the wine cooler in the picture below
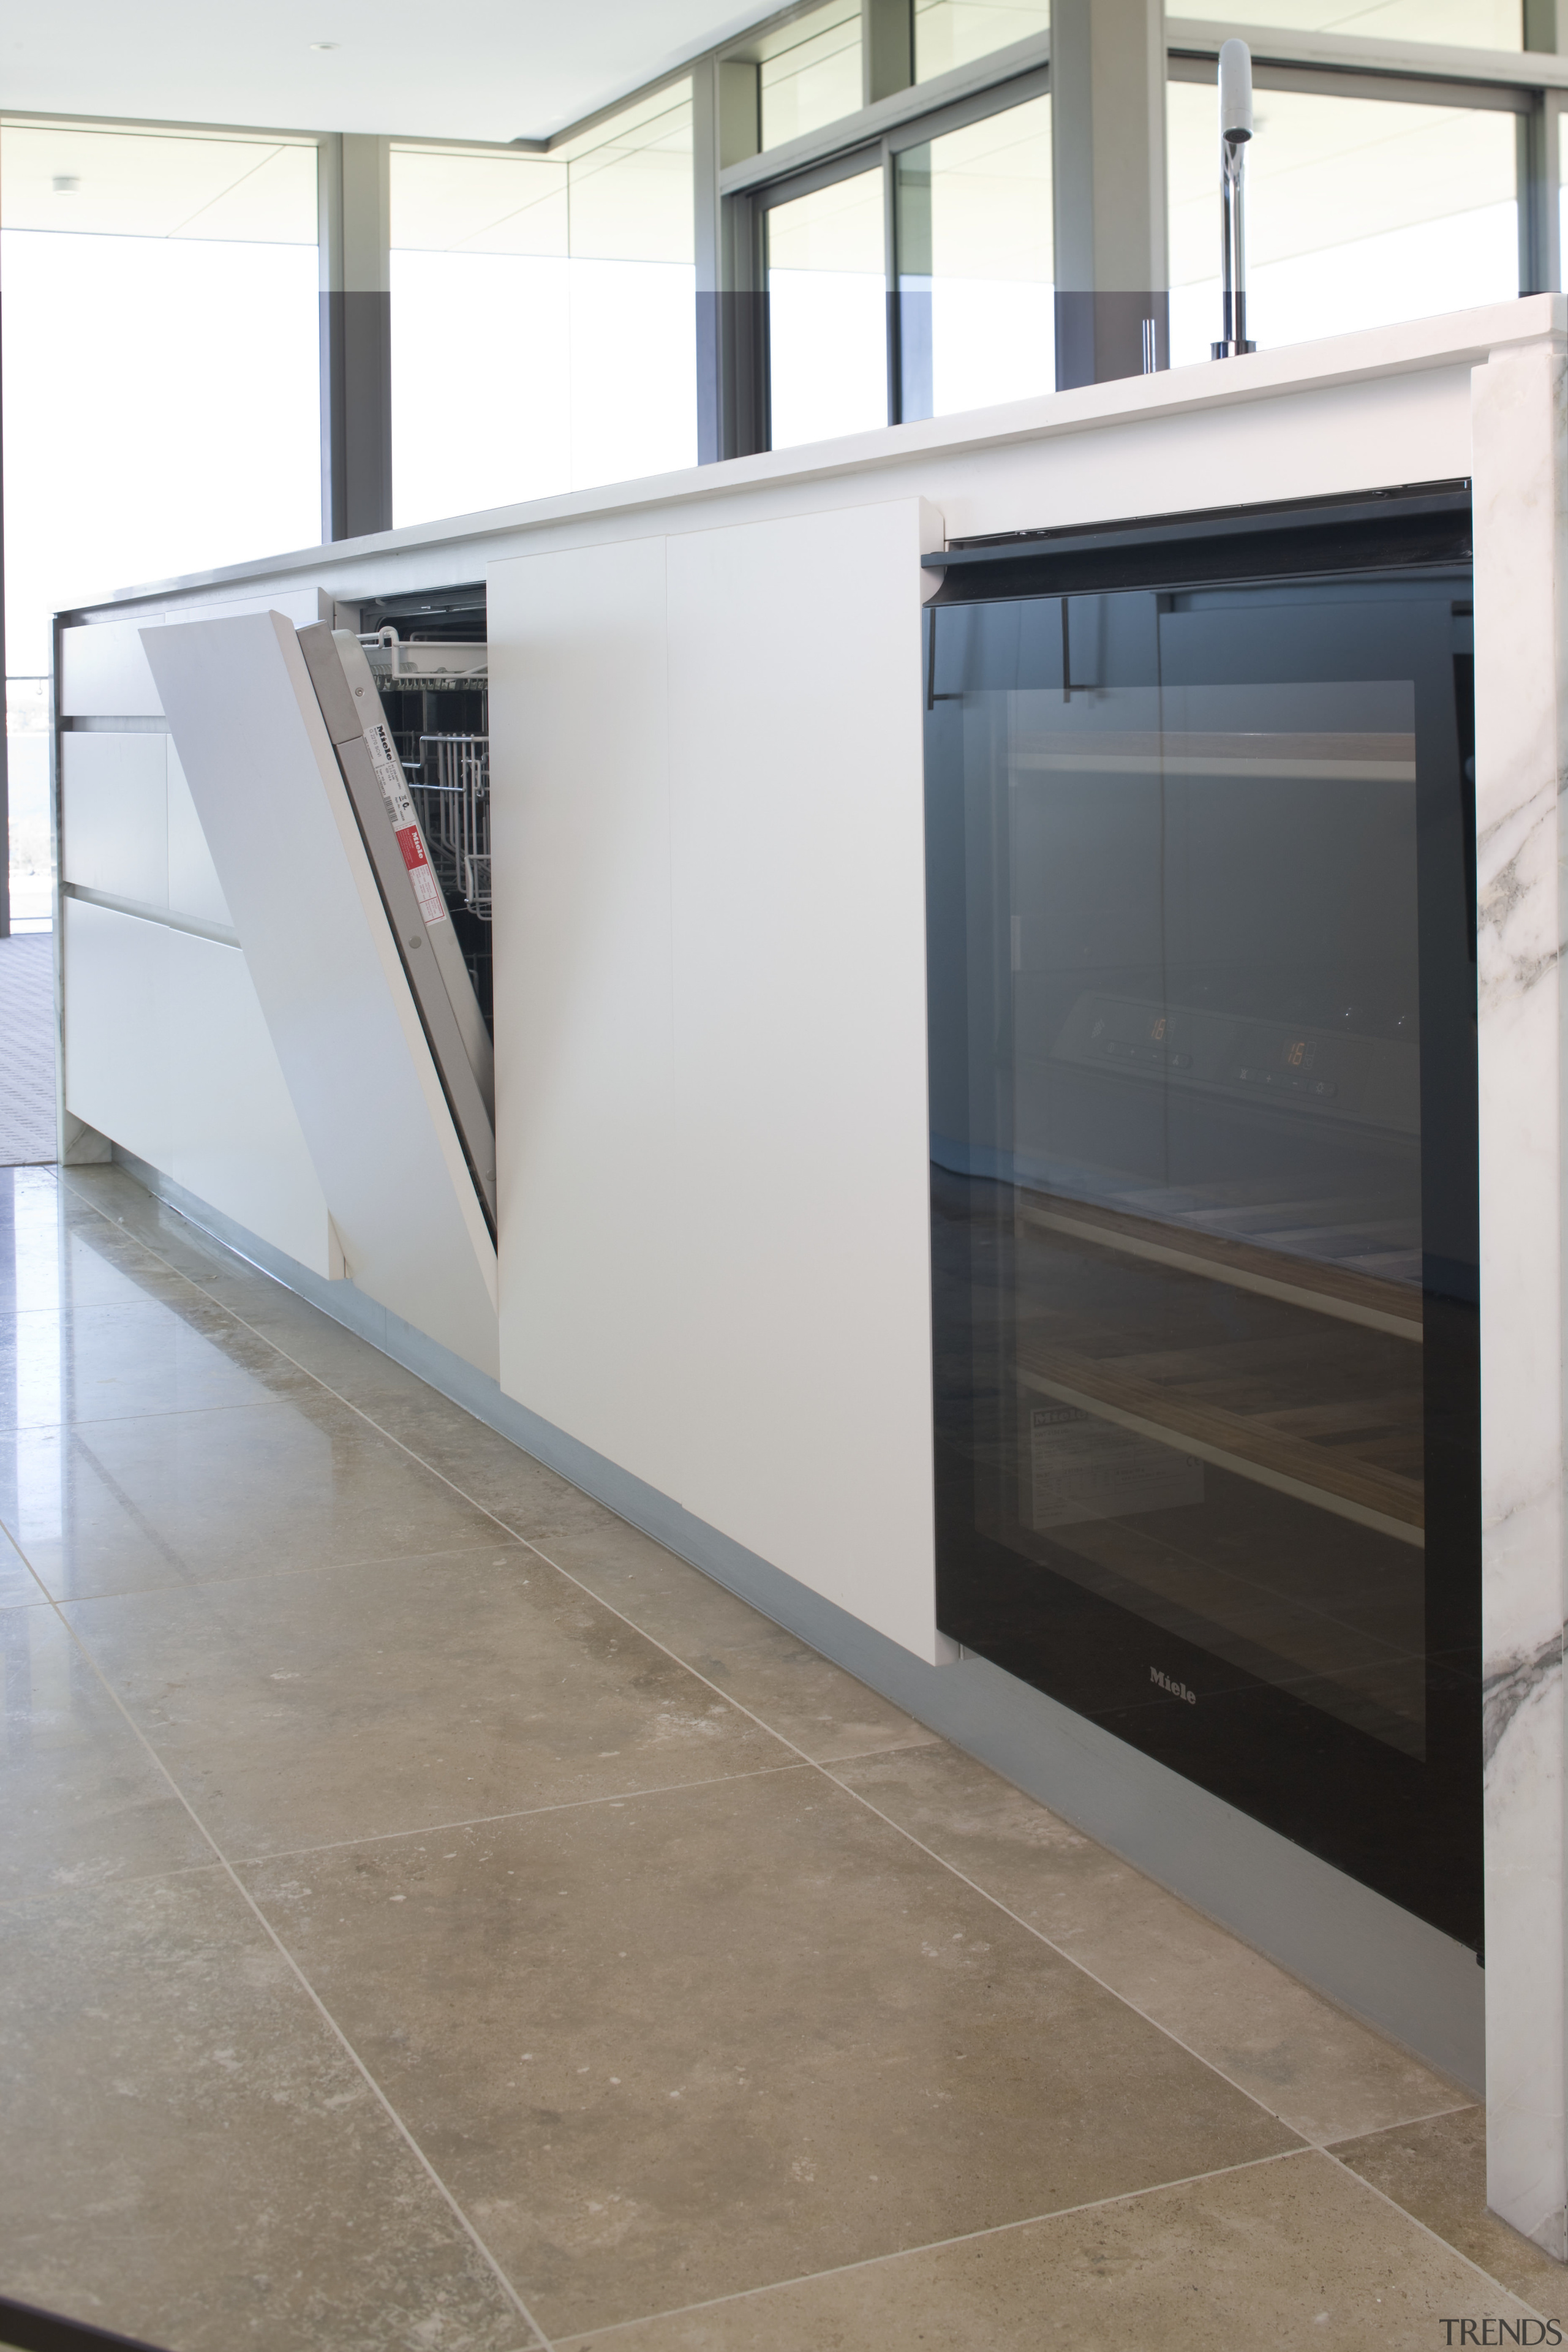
(1200, 853)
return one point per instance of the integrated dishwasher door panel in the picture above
(293, 868)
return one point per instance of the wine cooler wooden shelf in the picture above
(1336, 1291)
(1121, 1318)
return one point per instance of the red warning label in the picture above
(410, 840)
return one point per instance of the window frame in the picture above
(750, 208)
(1534, 110)
(736, 182)
(1531, 85)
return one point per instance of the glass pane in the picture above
(479, 237)
(634, 293)
(1466, 24)
(1359, 211)
(579, 266)
(827, 328)
(949, 33)
(161, 308)
(976, 312)
(1210, 961)
(810, 71)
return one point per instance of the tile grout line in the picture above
(522, 1814)
(246, 1576)
(1434, 2115)
(382, 1837)
(319, 2006)
(590, 2336)
(312, 1996)
(9, 1902)
(1307, 2145)
(1125, 1999)
(450, 1829)
(568, 1805)
(1426, 2230)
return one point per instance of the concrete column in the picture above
(887, 47)
(354, 184)
(1521, 472)
(1542, 22)
(731, 349)
(1107, 136)
(1539, 229)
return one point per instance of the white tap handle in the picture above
(1235, 91)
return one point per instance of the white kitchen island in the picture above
(711, 1275)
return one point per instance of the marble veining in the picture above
(1510, 1685)
(1519, 473)
(1510, 895)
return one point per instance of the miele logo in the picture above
(1177, 1690)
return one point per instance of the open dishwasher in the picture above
(340, 777)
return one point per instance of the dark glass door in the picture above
(1203, 1188)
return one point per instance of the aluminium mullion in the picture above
(892, 307)
(1553, 111)
(1536, 202)
(863, 156)
(996, 98)
(889, 116)
(751, 239)
(1381, 82)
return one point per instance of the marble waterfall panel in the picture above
(1522, 754)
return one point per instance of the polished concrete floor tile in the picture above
(665, 2049)
(1328, 2076)
(189, 2155)
(180, 1499)
(299, 1711)
(1438, 2170)
(1285, 2257)
(81, 1801)
(105, 1364)
(795, 1691)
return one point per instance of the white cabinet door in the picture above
(104, 673)
(292, 868)
(797, 889)
(193, 888)
(114, 822)
(116, 1028)
(709, 941)
(590, 1209)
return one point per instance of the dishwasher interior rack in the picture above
(450, 782)
(436, 694)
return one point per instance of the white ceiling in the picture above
(479, 69)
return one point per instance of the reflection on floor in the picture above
(435, 1916)
(26, 1049)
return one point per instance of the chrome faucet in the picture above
(1234, 132)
